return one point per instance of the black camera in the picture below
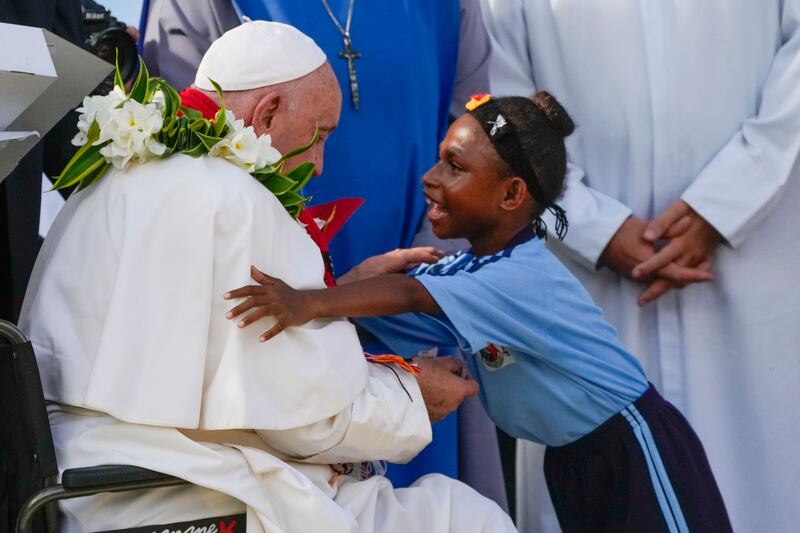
(108, 39)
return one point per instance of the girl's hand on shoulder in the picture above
(272, 297)
(397, 261)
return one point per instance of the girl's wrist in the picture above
(314, 304)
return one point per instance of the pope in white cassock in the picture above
(688, 117)
(127, 317)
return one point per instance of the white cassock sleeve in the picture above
(594, 217)
(737, 188)
(387, 421)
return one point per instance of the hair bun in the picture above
(555, 112)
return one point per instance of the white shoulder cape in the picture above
(126, 314)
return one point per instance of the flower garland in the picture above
(121, 129)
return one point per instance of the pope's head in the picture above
(278, 80)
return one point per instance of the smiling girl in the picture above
(551, 369)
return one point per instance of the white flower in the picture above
(88, 111)
(243, 148)
(267, 154)
(130, 129)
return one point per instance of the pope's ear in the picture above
(515, 193)
(265, 111)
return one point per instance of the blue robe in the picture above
(380, 152)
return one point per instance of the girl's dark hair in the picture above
(536, 128)
(528, 135)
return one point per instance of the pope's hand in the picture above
(273, 298)
(443, 385)
(396, 261)
(692, 241)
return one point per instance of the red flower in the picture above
(191, 97)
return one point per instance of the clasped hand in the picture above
(685, 258)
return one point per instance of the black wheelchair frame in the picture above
(41, 486)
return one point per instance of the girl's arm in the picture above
(391, 294)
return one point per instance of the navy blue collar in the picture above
(525, 234)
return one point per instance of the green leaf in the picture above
(266, 171)
(195, 151)
(152, 87)
(208, 140)
(292, 198)
(220, 123)
(117, 74)
(219, 92)
(172, 100)
(164, 139)
(180, 140)
(191, 113)
(220, 119)
(294, 210)
(301, 174)
(176, 126)
(206, 127)
(209, 128)
(139, 90)
(84, 166)
(276, 183)
(301, 149)
(92, 177)
(69, 168)
(94, 132)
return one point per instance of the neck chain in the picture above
(348, 54)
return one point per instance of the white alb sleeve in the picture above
(739, 186)
(593, 217)
(387, 421)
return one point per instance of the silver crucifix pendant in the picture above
(351, 55)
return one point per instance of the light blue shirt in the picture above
(551, 368)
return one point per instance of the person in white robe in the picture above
(688, 116)
(140, 365)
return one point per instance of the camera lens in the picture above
(115, 44)
(107, 38)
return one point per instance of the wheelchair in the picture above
(29, 487)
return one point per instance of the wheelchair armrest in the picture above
(109, 475)
(79, 482)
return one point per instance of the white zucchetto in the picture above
(258, 54)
